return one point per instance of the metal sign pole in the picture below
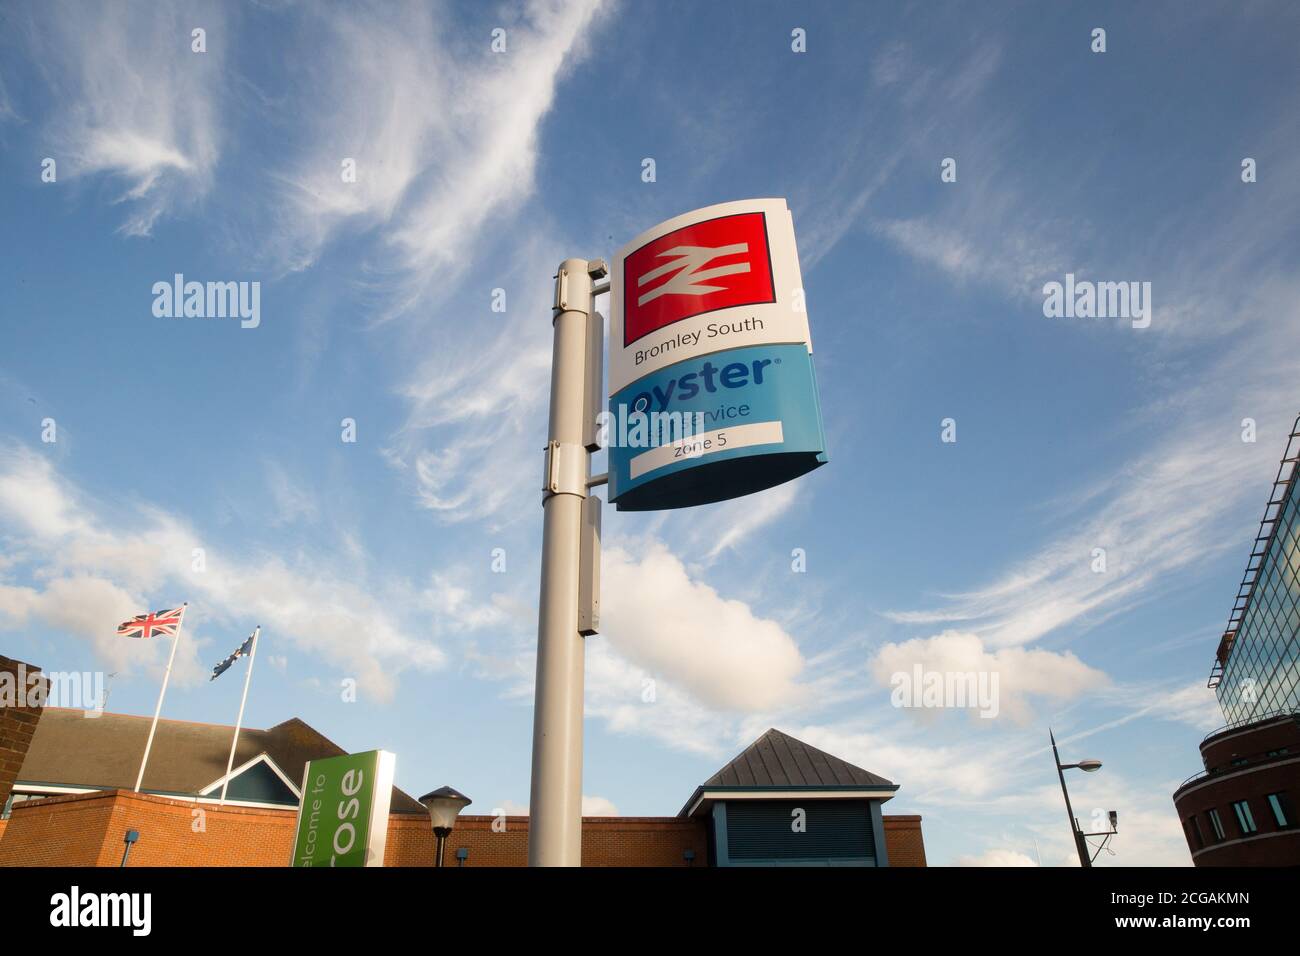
(555, 801)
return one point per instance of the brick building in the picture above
(1241, 811)
(22, 700)
(73, 805)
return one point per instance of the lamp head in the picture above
(444, 805)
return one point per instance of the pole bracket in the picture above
(565, 470)
(572, 289)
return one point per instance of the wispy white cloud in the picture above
(443, 136)
(132, 101)
(465, 447)
(458, 611)
(1166, 512)
(918, 103)
(1171, 506)
(6, 104)
(732, 522)
(291, 501)
(1002, 252)
(1192, 704)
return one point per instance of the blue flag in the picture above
(240, 651)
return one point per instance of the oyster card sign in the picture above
(712, 390)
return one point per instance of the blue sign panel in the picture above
(713, 427)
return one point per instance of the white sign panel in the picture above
(722, 277)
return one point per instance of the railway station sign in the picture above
(712, 389)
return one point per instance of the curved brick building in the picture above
(1241, 811)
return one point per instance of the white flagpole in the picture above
(248, 679)
(161, 693)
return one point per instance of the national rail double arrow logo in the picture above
(706, 266)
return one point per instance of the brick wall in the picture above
(903, 840)
(63, 831)
(17, 724)
(606, 841)
(87, 830)
(616, 841)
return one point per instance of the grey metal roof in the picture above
(779, 760)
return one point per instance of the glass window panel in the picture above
(1217, 824)
(1275, 803)
(1244, 819)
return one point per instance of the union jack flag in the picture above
(162, 623)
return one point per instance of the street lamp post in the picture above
(1080, 838)
(444, 805)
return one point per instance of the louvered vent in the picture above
(836, 829)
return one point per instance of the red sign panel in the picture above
(699, 268)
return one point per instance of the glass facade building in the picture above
(1240, 810)
(1258, 667)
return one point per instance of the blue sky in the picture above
(372, 560)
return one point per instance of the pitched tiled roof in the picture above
(779, 760)
(104, 752)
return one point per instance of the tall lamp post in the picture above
(1080, 838)
(444, 805)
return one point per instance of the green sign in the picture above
(343, 813)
